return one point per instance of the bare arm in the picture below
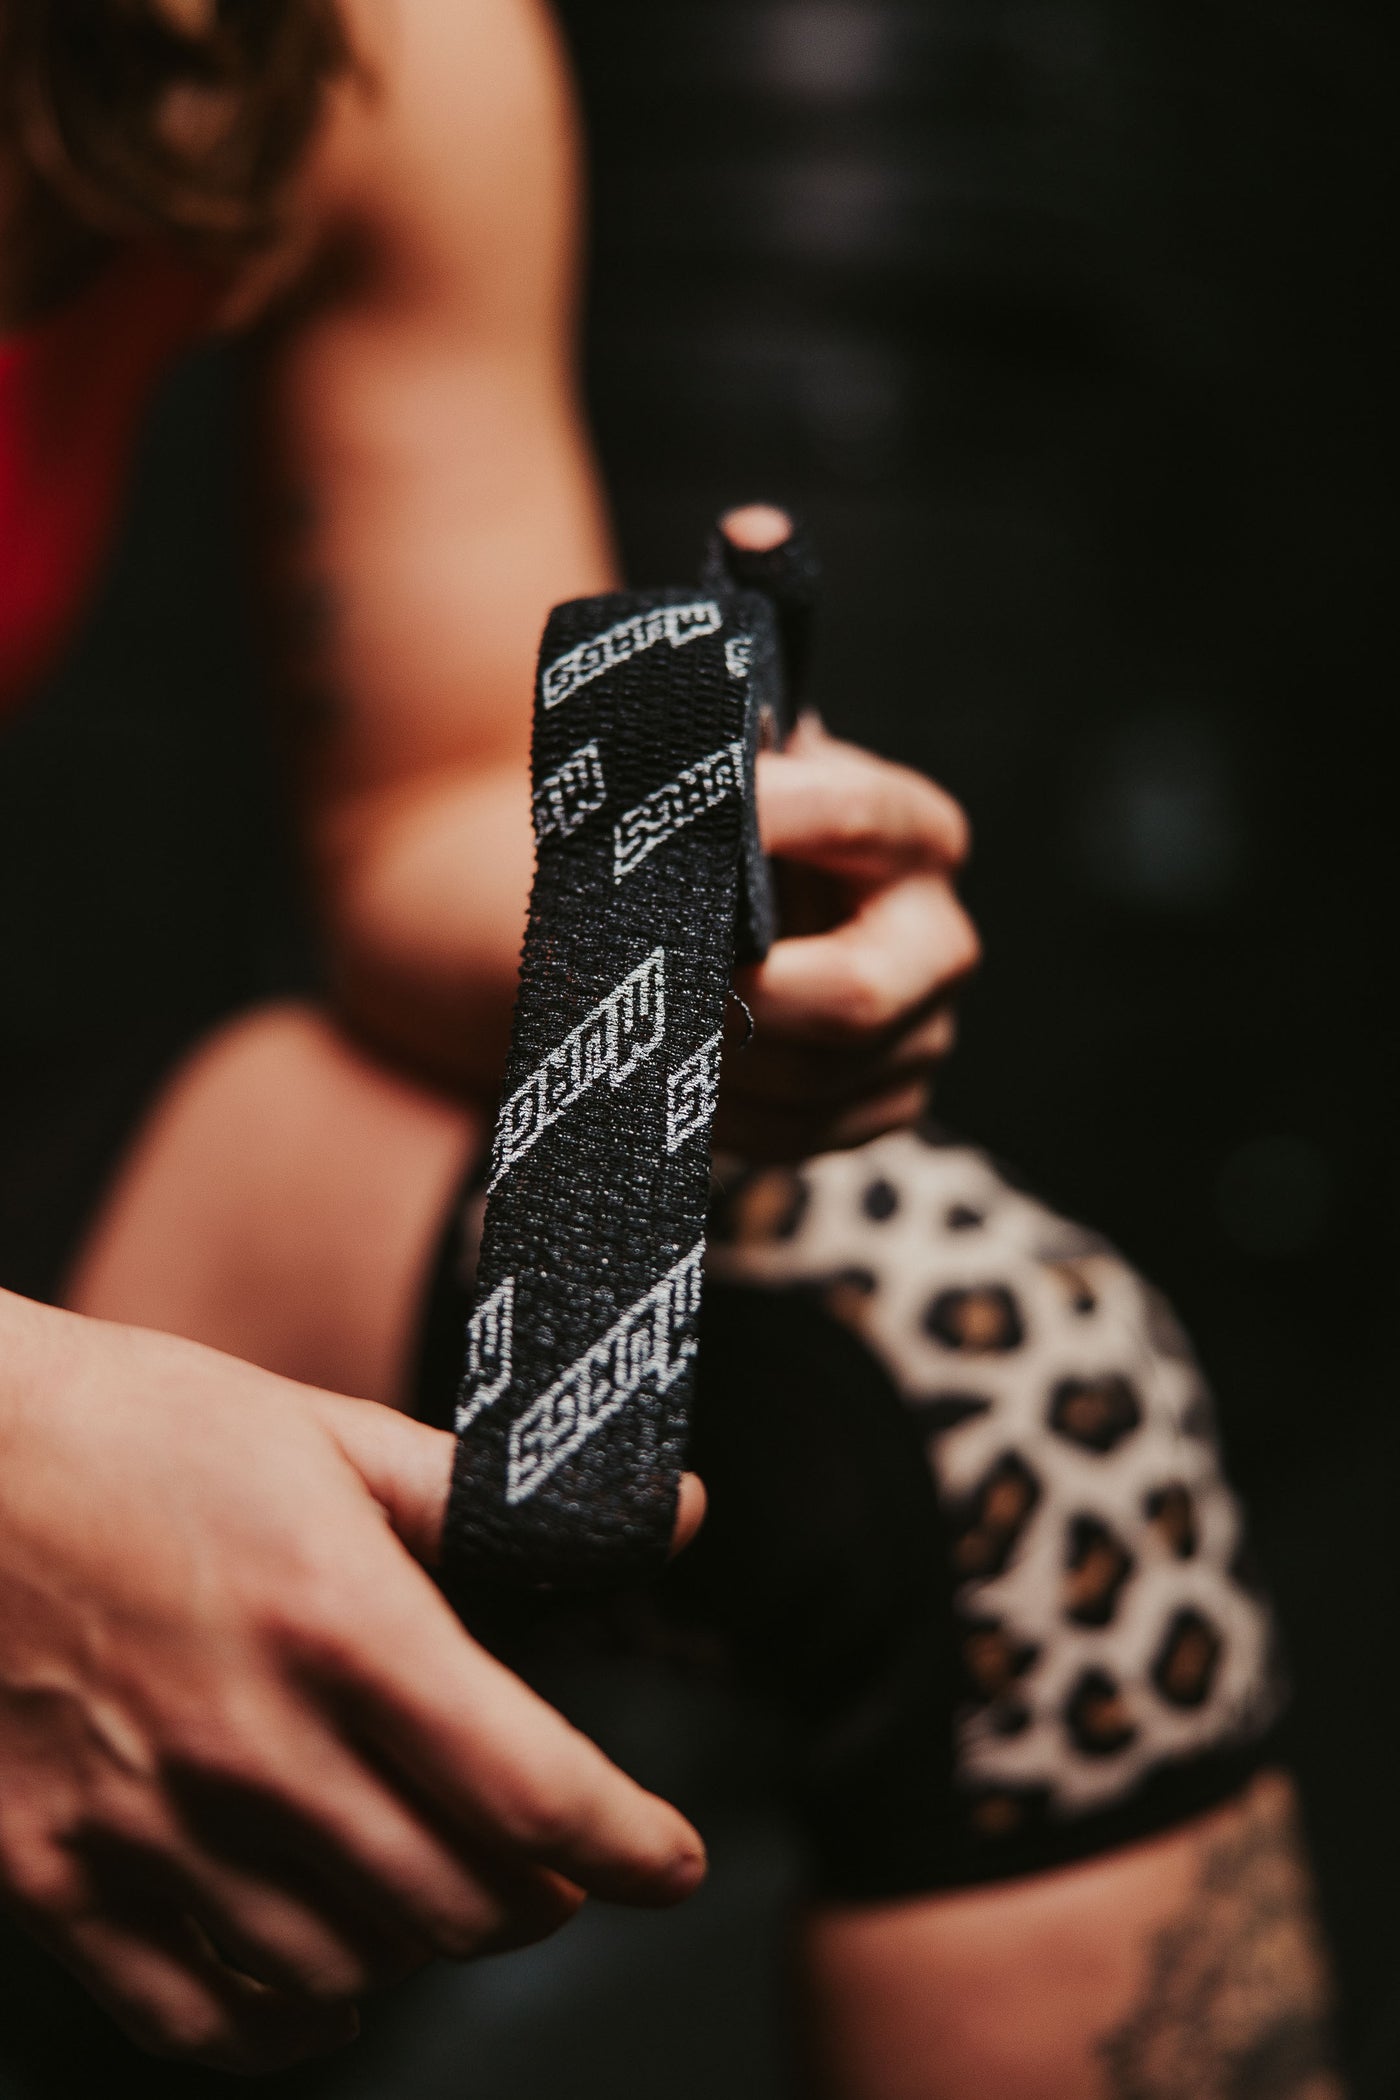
(1186, 1968)
(251, 1766)
(430, 496)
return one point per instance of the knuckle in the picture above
(489, 1921)
(864, 1003)
(338, 1975)
(435, 1906)
(857, 824)
(314, 1975)
(43, 1882)
(967, 945)
(219, 1754)
(535, 1820)
(307, 1617)
(321, 1644)
(337, 1981)
(539, 1807)
(454, 1921)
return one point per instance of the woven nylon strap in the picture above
(650, 881)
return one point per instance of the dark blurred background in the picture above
(1060, 322)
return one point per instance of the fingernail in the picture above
(756, 528)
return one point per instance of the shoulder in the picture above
(447, 160)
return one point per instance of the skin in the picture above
(1186, 1968)
(252, 1764)
(427, 494)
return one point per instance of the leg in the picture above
(1054, 1863)
(1188, 1967)
(281, 1202)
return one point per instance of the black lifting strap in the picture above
(650, 882)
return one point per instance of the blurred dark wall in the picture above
(146, 883)
(1061, 324)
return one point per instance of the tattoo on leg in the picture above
(1237, 1998)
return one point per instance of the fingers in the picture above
(932, 1039)
(773, 1130)
(355, 1880)
(784, 1100)
(756, 528)
(406, 1466)
(514, 1797)
(168, 1991)
(901, 947)
(328, 1953)
(499, 1767)
(831, 805)
(849, 1024)
(690, 1512)
(795, 1071)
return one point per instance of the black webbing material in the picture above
(650, 881)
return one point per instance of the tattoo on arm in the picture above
(1237, 1998)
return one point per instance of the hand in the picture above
(854, 1007)
(250, 1763)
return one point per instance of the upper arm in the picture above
(430, 489)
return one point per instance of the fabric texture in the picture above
(572, 1413)
(74, 389)
(968, 1526)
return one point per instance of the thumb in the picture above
(407, 1467)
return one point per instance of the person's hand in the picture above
(851, 1016)
(854, 1006)
(250, 1763)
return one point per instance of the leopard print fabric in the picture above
(1106, 1624)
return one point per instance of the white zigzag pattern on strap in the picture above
(669, 809)
(691, 1093)
(564, 798)
(676, 624)
(646, 1344)
(490, 1344)
(609, 1042)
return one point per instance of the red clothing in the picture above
(73, 390)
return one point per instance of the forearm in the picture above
(410, 713)
(424, 909)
